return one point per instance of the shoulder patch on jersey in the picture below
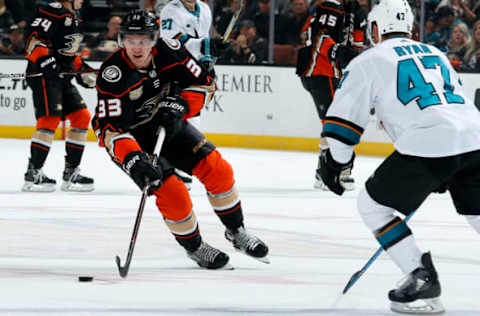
(172, 43)
(112, 74)
(56, 5)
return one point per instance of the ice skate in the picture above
(209, 257)
(318, 183)
(420, 292)
(348, 182)
(37, 181)
(185, 177)
(248, 244)
(73, 181)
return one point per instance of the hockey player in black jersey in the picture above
(149, 83)
(52, 42)
(332, 39)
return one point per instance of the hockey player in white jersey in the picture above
(419, 99)
(189, 21)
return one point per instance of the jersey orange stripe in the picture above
(124, 92)
(344, 125)
(388, 228)
(47, 113)
(37, 52)
(54, 15)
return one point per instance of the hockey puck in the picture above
(85, 278)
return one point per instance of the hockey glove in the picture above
(214, 46)
(87, 79)
(48, 66)
(332, 171)
(170, 114)
(342, 54)
(207, 63)
(142, 172)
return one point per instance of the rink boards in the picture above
(254, 107)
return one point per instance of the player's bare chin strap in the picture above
(474, 220)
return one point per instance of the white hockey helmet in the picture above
(390, 16)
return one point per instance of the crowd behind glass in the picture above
(451, 25)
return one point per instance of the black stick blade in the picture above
(122, 270)
(352, 280)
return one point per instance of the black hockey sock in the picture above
(38, 153)
(74, 153)
(232, 217)
(190, 242)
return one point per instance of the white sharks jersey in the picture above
(417, 96)
(189, 27)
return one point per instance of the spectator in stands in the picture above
(118, 7)
(475, 7)
(458, 43)
(262, 22)
(155, 6)
(251, 8)
(444, 19)
(106, 43)
(365, 5)
(294, 21)
(22, 11)
(471, 61)
(460, 8)
(224, 15)
(431, 35)
(247, 48)
(13, 44)
(6, 19)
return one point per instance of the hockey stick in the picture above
(123, 270)
(354, 278)
(234, 19)
(23, 75)
(349, 29)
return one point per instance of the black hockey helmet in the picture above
(139, 22)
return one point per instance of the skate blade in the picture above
(73, 187)
(348, 186)
(44, 188)
(227, 267)
(429, 306)
(319, 185)
(262, 259)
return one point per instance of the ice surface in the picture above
(317, 241)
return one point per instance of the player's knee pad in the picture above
(474, 221)
(48, 123)
(215, 173)
(173, 200)
(79, 119)
(373, 214)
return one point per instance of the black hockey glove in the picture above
(332, 171)
(214, 46)
(209, 67)
(87, 79)
(342, 54)
(142, 172)
(48, 66)
(170, 114)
